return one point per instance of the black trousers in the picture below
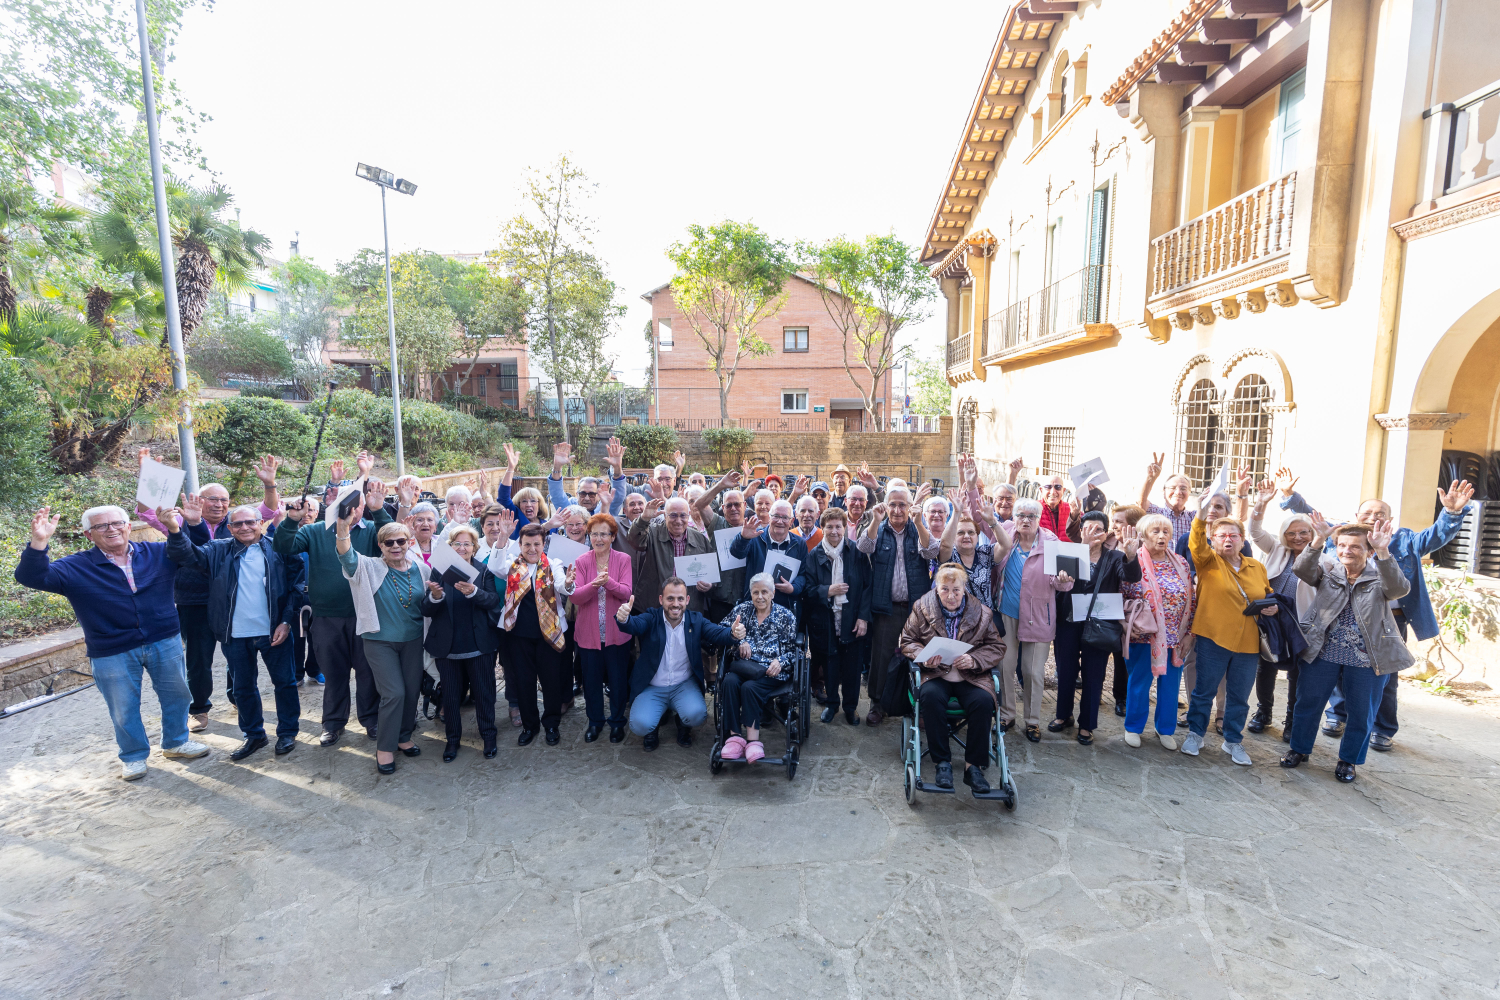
(610, 665)
(477, 674)
(1120, 676)
(1265, 688)
(979, 708)
(533, 661)
(1074, 659)
(340, 651)
(198, 650)
(844, 666)
(885, 633)
(745, 700)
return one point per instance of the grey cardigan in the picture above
(1380, 583)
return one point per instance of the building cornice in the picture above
(1444, 219)
(1418, 421)
(1160, 48)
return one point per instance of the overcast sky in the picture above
(810, 119)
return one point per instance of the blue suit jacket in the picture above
(753, 551)
(651, 626)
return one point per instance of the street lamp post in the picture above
(385, 179)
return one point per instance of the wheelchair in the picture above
(911, 747)
(790, 705)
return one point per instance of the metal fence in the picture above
(793, 425)
(1091, 295)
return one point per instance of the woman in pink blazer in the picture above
(603, 584)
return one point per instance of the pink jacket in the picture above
(1038, 621)
(617, 590)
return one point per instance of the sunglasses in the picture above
(395, 543)
(588, 493)
(245, 524)
(1050, 488)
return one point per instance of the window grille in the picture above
(1246, 440)
(1198, 435)
(1057, 450)
(483, 386)
(968, 410)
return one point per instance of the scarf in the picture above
(835, 554)
(1153, 598)
(517, 583)
(951, 619)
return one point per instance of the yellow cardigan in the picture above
(1220, 614)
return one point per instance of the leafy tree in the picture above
(29, 231)
(425, 323)
(23, 438)
(931, 395)
(490, 308)
(236, 346)
(647, 444)
(871, 290)
(254, 426)
(731, 276)
(309, 298)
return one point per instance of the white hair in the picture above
(891, 491)
(1026, 505)
(244, 506)
(1005, 488)
(808, 501)
(578, 509)
(693, 492)
(732, 493)
(462, 492)
(670, 470)
(423, 508)
(896, 484)
(762, 578)
(942, 501)
(862, 492)
(213, 486)
(89, 515)
(764, 493)
(780, 504)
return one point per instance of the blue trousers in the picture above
(240, 653)
(118, 679)
(1362, 693)
(651, 704)
(1138, 692)
(1385, 714)
(1215, 664)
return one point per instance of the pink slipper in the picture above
(734, 748)
(754, 751)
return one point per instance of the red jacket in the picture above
(1057, 521)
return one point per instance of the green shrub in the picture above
(254, 427)
(729, 444)
(263, 391)
(647, 444)
(362, 419)
(25, 468)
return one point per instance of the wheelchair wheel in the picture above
(911, 785)
(715, 762)
(1010, 796)
(901, 750)
(791, 768)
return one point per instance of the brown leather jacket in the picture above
(976, 627)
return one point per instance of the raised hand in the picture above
(364, 461)
(1244, 482)
(484, 483)
(192, 508)
(731, 480)
(43, 524)
(562, 453)
(606, 497)
(660, 491)
(923, 492)
(1320, 524)
(679, 460)
(1457, 498)
(512, 458)
(1286, 483)
(571, 574)
(745, 468)
(406, 491)
(336, 471)
(1130, 542)
(1016, 465)
(1153, 470)
(143, 454)
(265, 471)
(1264, 492)
(435, 590)
(879, 511)
(751, 527)
(738, 628)
(507, 522)
(622, 614)
(616, 452)
(472, 485)
(171, 518)
(1380, 538)
(375, 496)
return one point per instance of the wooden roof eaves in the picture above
(1160, 48)
(983, 239)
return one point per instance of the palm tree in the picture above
(31, 329)
(29, 229)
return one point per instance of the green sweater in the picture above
(327, 589)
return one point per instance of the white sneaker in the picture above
(1237, 754)
(1192, 744)
(1132, 739)
(185, 751)
(197, 723)
(133, 769)
(1170, 742)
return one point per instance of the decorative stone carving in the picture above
(1446, 218)
(1281, 293)
(1253, 300)
(1203, 314)
(1418, 421)
(1226, 308)
(1180, 320)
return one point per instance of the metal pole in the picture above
(656, 367)
(168, 262)
(390, 318)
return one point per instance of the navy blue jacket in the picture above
(651, 627)
(191, 588)
(883, 567)
(219, 562)
(114, 620)
(822, 631)
(753, 551)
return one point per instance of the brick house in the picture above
(803, 379)
(501, 376)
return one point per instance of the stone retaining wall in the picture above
(43, 665)
(915, 456)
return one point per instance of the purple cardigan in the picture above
(1038, 621)
(617, 590)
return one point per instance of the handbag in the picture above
(1101, 633)
(1253, 608)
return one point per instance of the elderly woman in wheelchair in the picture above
(760, 670)
(947, 611)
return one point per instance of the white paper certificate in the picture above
(782, 567)
(723, 538)
(159, 485)
(443, 558)
(944, 647)
(1078, 550)
(701, 567)
(563, 551)
(1091, 471)
(1108, 606)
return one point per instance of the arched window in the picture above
(1198, 434)
(1062, 89)
(1247, 426)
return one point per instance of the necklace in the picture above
(404, 591)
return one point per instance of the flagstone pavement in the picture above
(591, 870)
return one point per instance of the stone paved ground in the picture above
(592, 870)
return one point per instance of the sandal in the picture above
(1034, 734)
(734, 749)
(754, 751)
(1085, 737)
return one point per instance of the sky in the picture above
(810, 119)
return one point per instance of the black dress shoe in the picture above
(592, 733)
(651, 741)
(1344, 772)
(553, 736)
(829, 713)
(1033, 734)
(526, 736)
(1005, 726)
(1058, 725)
(945, 774)
(1286, 731)
(852, 718)
(247, 748)
(490, 750)
(617, 734)
(386, 768)
(371, 732)
(329, 737)
(411, 751)
(684, 736)
(1292, 759)
(450, 753)
(1120, 709)
(285, 745)
(974, 778)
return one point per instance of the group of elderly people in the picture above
(585, 594)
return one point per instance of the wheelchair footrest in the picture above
(993, 793)
(928, 786)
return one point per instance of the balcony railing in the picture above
(958, 352)
(1252, 228)
(1064, 307)
(1476, 129)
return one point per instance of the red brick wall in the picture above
(689, 388)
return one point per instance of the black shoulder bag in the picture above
(1101, 633)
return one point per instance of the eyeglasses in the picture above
(110, 526)
(214, 501)
(1025, 517)
(395, 543)
(780, 517)
(677, 517)
(600, 536)
(245, 524)
(588, 493)
(1052, 487)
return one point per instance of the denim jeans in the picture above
(1362, 692)
(651, 704)
(1385, 715)
(1138, 692)
(240, 653)
(1237, 670)
(118, 679)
